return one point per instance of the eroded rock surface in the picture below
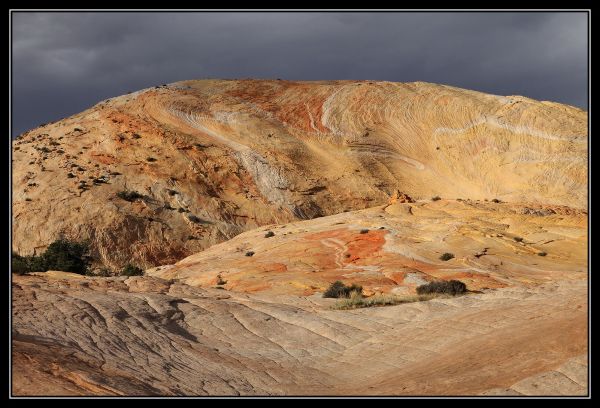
(396, 247)
(214, 158)
(147, 336)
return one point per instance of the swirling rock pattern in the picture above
(244, 153)
(148, 336)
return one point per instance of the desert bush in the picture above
(338, 290)
(495, 200)
(150, 159)
(61, 255)
(436, 198)
(446, 256)
(518, 239)
(452, 287)
(194, 219)
(35, 263)
(129, 195)
(364, 231)
(67, 256)
(130, 270)
(269, 234)
(542, 253)
(249, 253)
(103, 272)
(19, 264)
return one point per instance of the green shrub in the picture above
(130, 270)
(67, 256)
(61, 255)
(129, 195)
(452, 287)
(103, 272)
(338, 290)
(19, 264)
(446, 256)
(194, 219)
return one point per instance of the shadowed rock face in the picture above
(216, 158)
(147, 336)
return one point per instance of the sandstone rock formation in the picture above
(147, 336)
(394, 248)
(244, 200)
(214, 158)
(400, 197)
(522, 330)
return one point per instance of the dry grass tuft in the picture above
(357, 301)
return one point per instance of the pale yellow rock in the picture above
(99, 337)
(238, 154)
(257, 195)
(397, 247)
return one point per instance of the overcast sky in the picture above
(63, 63)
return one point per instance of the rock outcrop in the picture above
(400, 197)
(147, 336)
(394, 248)
(244, 200)
(213, 158)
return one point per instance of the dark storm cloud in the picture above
(65, 62)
